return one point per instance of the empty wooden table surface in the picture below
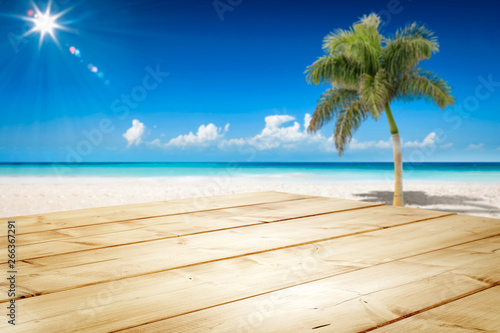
(256, 262)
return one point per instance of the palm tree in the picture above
(368, 72)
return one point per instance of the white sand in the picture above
(32, 195)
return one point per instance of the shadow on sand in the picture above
(463, 204)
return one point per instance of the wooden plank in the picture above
(66, 271)
(308, 207)
(479, 312)
(179, 222)
(76, 218)
(289, 301)
(60, 241)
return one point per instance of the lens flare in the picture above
(91, 67)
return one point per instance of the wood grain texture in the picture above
(66, 271)
(259, 262)
(355, 298)
(353, 301)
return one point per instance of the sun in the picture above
(44, 23)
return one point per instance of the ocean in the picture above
(459, 172)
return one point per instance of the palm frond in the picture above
(425, 84)
(348, 121)
(332, 101)
(409, 46)
(321, 71)
(338, 40)
(340, 70)
(372, 21)
(375, 91)
(366, 53)
(414, 30)
(362, 43)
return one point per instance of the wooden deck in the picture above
(258, 262)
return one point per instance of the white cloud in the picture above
(274, 122)
(328, 145)
(429, 141)
(307, 121)
(275, 135)
(155, 142)
(475, 147)
(134, 134)
(446, 146)
(359, 145)
(205, 135)
(280, 131)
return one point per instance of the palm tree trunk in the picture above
(398, 159)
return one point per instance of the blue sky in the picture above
(208, 81)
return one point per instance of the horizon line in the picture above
(235, 162)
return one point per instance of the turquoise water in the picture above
(482, 172)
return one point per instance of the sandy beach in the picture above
(33, 195)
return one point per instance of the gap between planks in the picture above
(448, 301)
